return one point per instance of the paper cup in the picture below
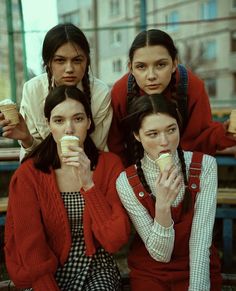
(10, 112)
(163, 161)
(68, 140)
(232, 122)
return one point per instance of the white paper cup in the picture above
(164, 160)
(10, 112)
(232, 122)
(68, 140)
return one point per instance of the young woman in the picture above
(66, 58)
(173, 211)
(64, 216)
(154, 69)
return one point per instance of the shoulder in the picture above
(121, 83)
(193, 79)
(40, 80)
(208, 162)
(36, 86)
(26, 171)
(97, 85)
(110, 158)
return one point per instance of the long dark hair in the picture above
(152, 37)
(58, 36)
(45, 155)
(140, 108)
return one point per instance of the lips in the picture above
(69, 79)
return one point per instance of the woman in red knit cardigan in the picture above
(154, 69)
(64, 217)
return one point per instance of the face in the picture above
(68, 65)
(69, 118)
(152, 67)
(159, 133)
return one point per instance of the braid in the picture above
(86, 86)
(133, 94)
(187, 194)
(172, 87)
(138, 154)
(49, 75)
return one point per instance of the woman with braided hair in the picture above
(154, 68)
(172, 209)
(66, 59)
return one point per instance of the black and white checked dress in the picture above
(80, 272)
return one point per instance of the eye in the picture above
(161, 65)
(172, 130)
(140, 66)
(78, 60)
(58, 120)
(59, 60)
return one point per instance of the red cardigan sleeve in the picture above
(116, 135)
(29, 260)
(202, 133)
(110, 223)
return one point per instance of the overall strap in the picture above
(195, 172)
(142, 195)
(182, 90)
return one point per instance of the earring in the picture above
(53, 82)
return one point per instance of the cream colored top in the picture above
(32, 109)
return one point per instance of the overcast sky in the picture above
(39, 17)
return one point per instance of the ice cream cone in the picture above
(164, 160)
(68, 140)
(10, 112)
(232, 122)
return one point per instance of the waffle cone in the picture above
(10, 112)
(162, 162)
(66, 143)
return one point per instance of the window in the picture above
(173, 20)
(117, 66)
(115, 37)
(209, 10)
(114, 7)
(209, 50)
(233, 41)
(211, 87)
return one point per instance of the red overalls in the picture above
(148, 274)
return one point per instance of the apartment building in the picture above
(204, 32)
(11, 51)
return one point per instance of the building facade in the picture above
(204, 32)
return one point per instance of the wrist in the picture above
(27, 142)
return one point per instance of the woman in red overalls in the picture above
(171, 207)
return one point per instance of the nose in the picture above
(163, 139)
(151, 75)
(69, 67)
(69, 129)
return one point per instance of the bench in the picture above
(226, 210)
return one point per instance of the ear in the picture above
(136, 136)
(175, 64)
(130, 67)
(89, 124)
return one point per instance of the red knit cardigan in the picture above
(201, 133)
(37, 230)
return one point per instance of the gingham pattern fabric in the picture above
(158, 239)
(80, 272)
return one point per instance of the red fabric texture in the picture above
(201, 133)
(149, 274)
(37, 230)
